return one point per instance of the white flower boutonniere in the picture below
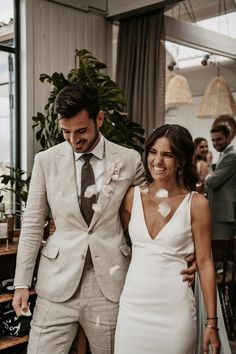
(106, 189)
(113, 168)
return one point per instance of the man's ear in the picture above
(99, 119)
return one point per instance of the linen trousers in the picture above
(55, 324)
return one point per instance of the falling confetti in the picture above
(96, 207)
(162, 193)
(90, 191)
(98, 321)
(164, 209)
(114, 269)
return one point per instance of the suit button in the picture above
(90, 232)
(83, 257)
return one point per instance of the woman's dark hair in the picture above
(182, 147)
(74, 98)
(196, 142)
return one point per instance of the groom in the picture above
(83, 265)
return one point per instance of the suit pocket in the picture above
(125, 249)
(50, 252)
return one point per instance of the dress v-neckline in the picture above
(144, 220)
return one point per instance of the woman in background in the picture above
(200, 161)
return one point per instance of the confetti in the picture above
(114, 269)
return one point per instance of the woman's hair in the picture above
(196, 143)
(183, 149)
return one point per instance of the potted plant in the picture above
(117, 126)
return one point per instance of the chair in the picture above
(224, 253)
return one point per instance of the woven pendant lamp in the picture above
(178, 92)
(169, 76)
(217, 99)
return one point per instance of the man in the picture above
(221, 185)
(83, 264)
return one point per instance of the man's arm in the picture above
(31, 235)
(223, 172)
(139, 176)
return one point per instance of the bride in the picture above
(167, 220)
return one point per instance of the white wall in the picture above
(49, 36)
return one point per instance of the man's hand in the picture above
(20, 301)
(189, 273)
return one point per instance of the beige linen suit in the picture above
(53, 187)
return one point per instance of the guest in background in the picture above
(221, 185)
(200, 161)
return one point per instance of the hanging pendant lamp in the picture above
(217, 100)
(178, 92)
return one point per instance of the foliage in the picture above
(18, 183)
(117, 126)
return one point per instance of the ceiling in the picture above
(196, 10)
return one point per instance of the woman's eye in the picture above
(168, 154)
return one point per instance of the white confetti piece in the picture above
(98, 321)
(96, 207)
(162, 193)
(114, 269)
(90, 191)
(164, 209)
(26, 313)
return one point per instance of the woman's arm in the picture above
(126, 207)
(204, 170)
(201, 228)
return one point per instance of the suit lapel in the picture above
(66, 166)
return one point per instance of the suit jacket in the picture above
(222, 188)
(53, 187)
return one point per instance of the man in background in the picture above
(221, 185)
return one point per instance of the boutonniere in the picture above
(113, 170)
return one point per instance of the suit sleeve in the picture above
(139, 170)
(226, 169)
(32, 226)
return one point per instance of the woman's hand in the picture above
(211, 338)
(52, 227)
(189, 273)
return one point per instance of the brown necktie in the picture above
(87, 179)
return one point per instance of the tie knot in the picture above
(86, 157)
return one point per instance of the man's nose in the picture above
(73, 138)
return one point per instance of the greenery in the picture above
(117, 126)
(18, 183)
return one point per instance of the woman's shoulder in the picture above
(199, 202)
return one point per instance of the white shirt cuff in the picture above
(21, 287)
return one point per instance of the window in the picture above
(8, 88)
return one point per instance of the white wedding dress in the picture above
(157, 308)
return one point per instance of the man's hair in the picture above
(74, 98)
(221, 128)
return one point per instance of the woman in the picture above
(200, 161)
(166, 222)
